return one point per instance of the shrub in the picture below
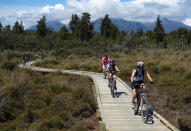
(8, 65)
(10, 55)
(187, 99)
(80, 110)
(188, 76)
(54, 122)
(155, 69)
(165, 68)
(29, 116)
(184, 124)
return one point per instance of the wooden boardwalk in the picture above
(115, 112)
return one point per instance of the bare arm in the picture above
(117, 69)
(107, 69)
(102, 60)
(149, 77)
(133, 75)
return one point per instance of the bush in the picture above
(55, 123)
(155, 69)
(8, 65)
(165, 68)
(188, 76)
(184, 124)
(29, 116)
(81, 110)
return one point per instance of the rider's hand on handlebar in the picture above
(151, 82)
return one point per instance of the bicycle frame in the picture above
(142, 101)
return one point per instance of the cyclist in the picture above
(24, 59)
(138, 77)
(112, 69)
(105, 62)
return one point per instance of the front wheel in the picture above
(113, 87)
(144, 110)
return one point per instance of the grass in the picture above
(170, 70)
(43, 102)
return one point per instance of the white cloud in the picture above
(187, 22)
(136, 10)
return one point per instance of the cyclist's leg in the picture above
(103, 69)
(134, 94)
(133, 98)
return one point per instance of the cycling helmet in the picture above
(140, 64)
(105, 54)
(112, 61)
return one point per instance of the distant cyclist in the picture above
(112, 69)
(24, 59)
(138, 77)
(105, 62)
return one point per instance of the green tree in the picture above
(114, 31)
(21, 27)
(74, 22)
(18, 27)
(41, 27)
(85, 27)
(1, 27)
(159, 31)
(139, 32)
(63, 33)
(106, 26)
(7, 28)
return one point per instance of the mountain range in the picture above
(123, 25)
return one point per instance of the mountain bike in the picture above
(146, 110)
(113, 84)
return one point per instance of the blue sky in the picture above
(30, 2)
(29, 11)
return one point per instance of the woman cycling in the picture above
(105, 62)
(112, 69)
(138, 77)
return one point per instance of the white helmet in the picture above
(140, 64)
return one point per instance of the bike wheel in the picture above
(144, 110)
(113, 87)
(105, 74)
(136, 108)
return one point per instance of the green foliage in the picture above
(1, 27)
(184, 124)
(85, 27)
(41, 27)
(8, 65)
(107, 28)
(63, 33)
(159, 31)
(74, 23)
(18, 28)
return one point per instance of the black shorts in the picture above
(112, 72)
(137, 86)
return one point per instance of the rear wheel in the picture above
(105, 74)
(113, 87)
(144, 110)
